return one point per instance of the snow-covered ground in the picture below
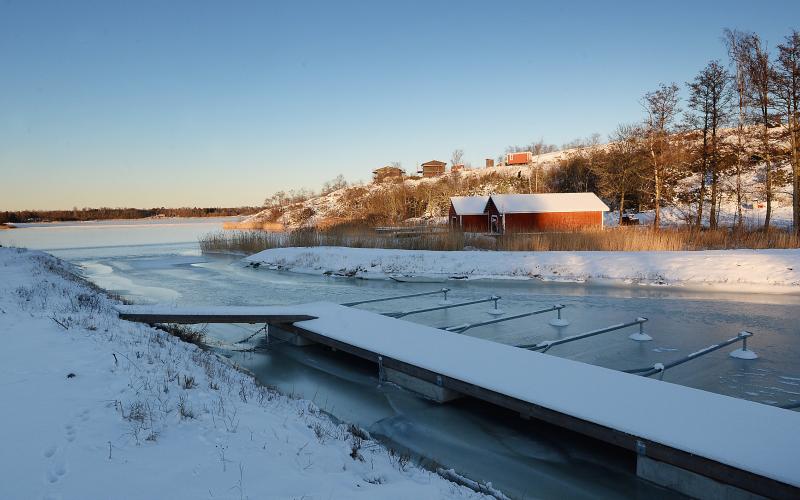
(96, 407)
(736, 270)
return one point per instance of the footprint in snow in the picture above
(50, 451)
(70, 432)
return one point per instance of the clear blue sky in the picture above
(222, 103)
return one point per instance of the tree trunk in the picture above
(621, 206)
(795, 172)
(713, 220)
(657, 218)
(768, 162)
(740, 132)
(703, 170)
(701, 199)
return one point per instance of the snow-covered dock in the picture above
(701, 443)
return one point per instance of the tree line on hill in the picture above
(104, 213)
(738, 123)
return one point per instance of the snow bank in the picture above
(737, 270)
(96, 407)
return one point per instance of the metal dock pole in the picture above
(401, 314)
(742, 353)
(467, 326)
(397, 297)
(547, 344)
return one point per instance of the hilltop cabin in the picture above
(468, 213)
(433, 168)
(519, 158)
(387, 172)
(527, 213)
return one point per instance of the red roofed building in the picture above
(526, 213)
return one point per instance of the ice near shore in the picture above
(771, 271)
(96, 407)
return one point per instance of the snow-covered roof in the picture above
(548, 202)
(469, 205)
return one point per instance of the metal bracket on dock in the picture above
(381, 372)
(640, 336)
(559, 321)
(496, 311)
(742, 353)
(547, 344)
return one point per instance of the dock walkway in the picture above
(734, 442)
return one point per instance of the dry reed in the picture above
(629, 239)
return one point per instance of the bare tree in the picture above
(761, 76)
(456, 157)
(536, 148)
(619, 172)
(738, 44)
(709, 97)
(788, 94)
(662, 109)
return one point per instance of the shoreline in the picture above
(102, 404)
(742, 271)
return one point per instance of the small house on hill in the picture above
(519, 158)
(468, 213)
(524, 213)
(433, 168)
(387, 172)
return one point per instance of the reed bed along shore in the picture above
(628, 239)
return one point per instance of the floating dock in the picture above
(699, 443)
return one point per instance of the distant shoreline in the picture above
(22, 225)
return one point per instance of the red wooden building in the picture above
(526, 213)
(520, 158)
(468, 213)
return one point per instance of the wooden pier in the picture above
(696, 442)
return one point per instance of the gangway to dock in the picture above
(700, 443)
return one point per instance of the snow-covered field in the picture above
(96, 407)
(736, 270)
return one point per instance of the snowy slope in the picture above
(737, 270)
(95, 407)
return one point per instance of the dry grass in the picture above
(629, 239)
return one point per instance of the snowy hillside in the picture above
(429, 197)
(96, 407)
(337, 206)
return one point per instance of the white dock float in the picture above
(736, 444)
